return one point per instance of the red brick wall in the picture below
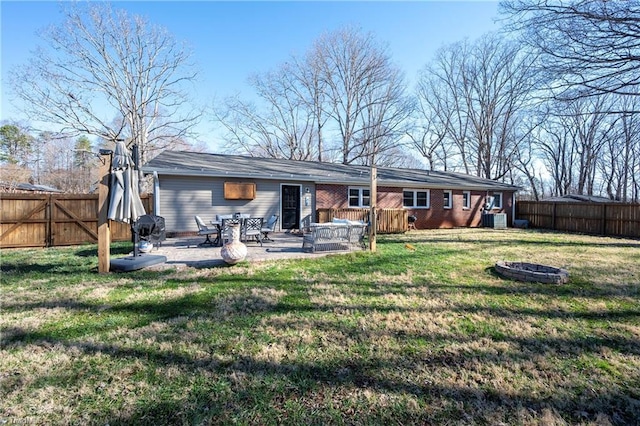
(389, 197)
(331, 196)
(436, 216)
(336, 197)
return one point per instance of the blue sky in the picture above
(231, 40)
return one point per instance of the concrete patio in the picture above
(186, 252)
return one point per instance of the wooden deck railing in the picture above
(389, 220)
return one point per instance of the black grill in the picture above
(412, 221)
(150, 228)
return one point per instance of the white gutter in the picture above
(156, 194)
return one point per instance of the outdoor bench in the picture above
(332, 236)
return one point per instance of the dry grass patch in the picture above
(164, 294)
(424, 336)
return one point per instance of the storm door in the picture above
(290, 206)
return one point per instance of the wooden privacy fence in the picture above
(45, 220)
(614, 219)
(389, 220)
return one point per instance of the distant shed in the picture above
(28, 188)
(572, 198)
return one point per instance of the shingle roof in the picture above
(184, 163)
(30, 187)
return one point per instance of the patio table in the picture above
(218, 225)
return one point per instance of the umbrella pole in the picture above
(134, 235)
(134, 239)
(104, 232)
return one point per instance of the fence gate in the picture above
(24, 220)
(74, 219)
(44, 220)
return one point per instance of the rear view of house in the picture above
(189, 183)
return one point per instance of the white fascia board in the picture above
(425, 185)
(334, 180)
(264, 176)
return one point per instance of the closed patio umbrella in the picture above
(125, 204)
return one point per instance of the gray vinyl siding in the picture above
(183, 197)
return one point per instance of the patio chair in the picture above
(268, 227)
(207, 232)
(252, 228)
(225, 231)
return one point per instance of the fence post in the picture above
(48, 216)
(604, 219)
(104, 232)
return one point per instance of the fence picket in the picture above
(615, 219)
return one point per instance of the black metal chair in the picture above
(252, 228)
(412, 222)
(225, 231)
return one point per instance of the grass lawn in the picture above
(421, 332)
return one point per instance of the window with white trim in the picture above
(416, 198)
(466, 199)
(359, 197)
(447, 202)
(497, 200)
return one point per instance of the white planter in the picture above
(234, 251)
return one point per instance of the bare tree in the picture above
(238, 119)
(557, 150)
(427, 141)
(619, 162)
(526, 160)
(572, 143)
(345, 85)
(479, 93)
(58, 167)
(365, 93)
(312, 90)
(590, 50)
(285, 126)
(102, 63)
(589, 134)
(438, 127)
(286, 121)
(277, 131)
(589, 47)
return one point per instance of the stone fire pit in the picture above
(532, 272)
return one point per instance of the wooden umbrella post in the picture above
(104, 231)
(373, 196)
